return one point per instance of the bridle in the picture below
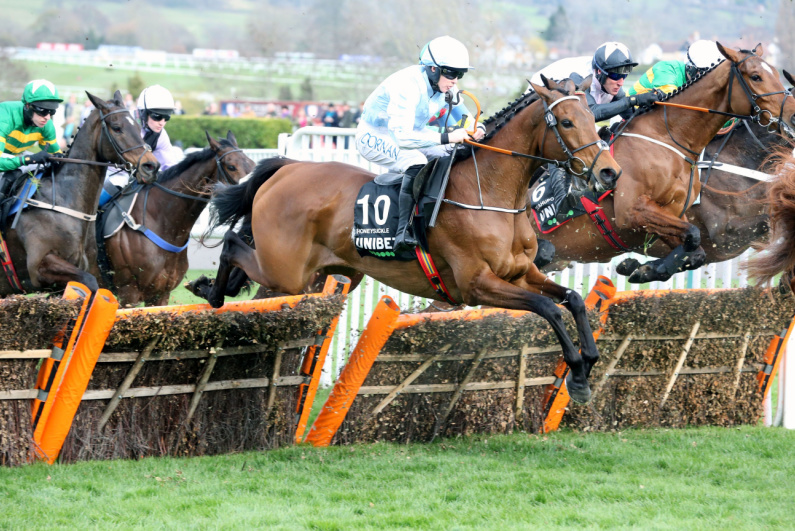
(126, 165)
(758, 112)
(221, 172)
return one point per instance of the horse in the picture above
(138, 262)
(658, 149)
(53, 242)
(302, 214)
(778, 254)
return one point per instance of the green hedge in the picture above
(251, 133)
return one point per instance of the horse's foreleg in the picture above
(235, 253)
(54, 270)
(537, 282)
(488, 289)
(649, 216)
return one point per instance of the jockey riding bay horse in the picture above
(141, 260)
(53, 240)
(482, 245)
(657, 150)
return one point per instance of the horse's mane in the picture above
(496, 121)
(196, 157)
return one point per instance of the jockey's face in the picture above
(446, 84)
(39, 120)
(612, 86)
(155, 126)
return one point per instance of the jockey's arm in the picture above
(402, 111)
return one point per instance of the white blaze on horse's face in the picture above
(129, 119)
(767, 68)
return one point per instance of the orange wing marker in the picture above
(378, 330)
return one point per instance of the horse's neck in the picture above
(79, 185)
(743, 150)
(695, 129)
(504, 178)
(190, 182)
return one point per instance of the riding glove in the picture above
(645, 99)
(37, 158)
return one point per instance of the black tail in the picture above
(231, 203)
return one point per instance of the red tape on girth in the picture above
(429, 268)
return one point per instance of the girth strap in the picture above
(597, 215)
(8, 266)
(429, 268)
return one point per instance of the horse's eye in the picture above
(756, 77)
(567, 124)
(116, 128)
(231, 168)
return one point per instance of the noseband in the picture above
(758, 112)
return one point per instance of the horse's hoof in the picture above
(641, 275)
(580, 394)
(627, 267)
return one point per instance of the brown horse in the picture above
(53, 242)
(659, 182)
(146, 258)
(302, 218)
(778, 254)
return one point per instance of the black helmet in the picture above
(614, 58)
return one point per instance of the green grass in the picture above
(709, 478)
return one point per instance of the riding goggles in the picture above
(451, 73)
(156, 116)
(616, 77)
(42, 111)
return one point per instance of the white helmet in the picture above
(156, 99)
(703, 54)
(445, 51)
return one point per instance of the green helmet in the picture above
(43, 93)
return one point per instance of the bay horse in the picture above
(657, 151)
(145, 259)
(778, 254)
(53, 242)
(302, 219)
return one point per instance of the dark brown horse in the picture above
(147, 260)
(658, 184)
(53, 242)
(302, 218)
(778, 255)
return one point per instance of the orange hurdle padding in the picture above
(378, 330)
(556, 396)
(773, 358)
(52, 370)
(80, 366)
(315, 358)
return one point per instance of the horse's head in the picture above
(572, 122)
(232, 163)
(118, 139)
(755, 89)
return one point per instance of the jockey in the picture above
(155, 107)
(27, 122)
(668, 76)
(393, 129)
(609, 67)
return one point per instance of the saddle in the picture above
(111, 216)
(15, 187)
(376, 212)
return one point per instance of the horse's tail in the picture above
(231, 203)
(779, 253)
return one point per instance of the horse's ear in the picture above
(728, 53)
(759, 50)
(231, 137)
(99, 103)
(568, 85)
(585, 86)
(542, 90)
(545, 81)
(788, 77)
(118, 98)
(213, 142)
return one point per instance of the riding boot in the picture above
(404, 238)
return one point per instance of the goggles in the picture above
(41, 111)
(451, 73)
(156, 116)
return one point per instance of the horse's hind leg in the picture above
(235, 253)
(54, 270)
(488, 289)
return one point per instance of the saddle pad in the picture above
(375, 222)
(110, 217)
(552, 203)
(27, 191)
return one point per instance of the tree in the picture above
(559, 26)
(285, 93)
(307, 93)
(135, 84)
(13, 77)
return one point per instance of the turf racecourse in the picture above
(708, 478)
